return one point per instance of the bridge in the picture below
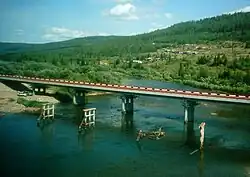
(130, 92)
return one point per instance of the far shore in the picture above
(98, 93)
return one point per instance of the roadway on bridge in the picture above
(133, 90)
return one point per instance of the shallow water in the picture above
(111, 150)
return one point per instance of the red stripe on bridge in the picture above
(133, 88)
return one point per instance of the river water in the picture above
(110, 150)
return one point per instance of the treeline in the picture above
(234, 27)
(218, 70)
(88, 72)
(219, 28)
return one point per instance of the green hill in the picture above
(220, 28)
(14, 47)
(79, 42)
(210, 53)
(224, 27)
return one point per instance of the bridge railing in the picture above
(136, 88)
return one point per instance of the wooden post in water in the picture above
(47, 113)
(88, 119)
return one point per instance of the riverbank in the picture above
(240, 89)
(215, 88)
(9, 101)
(98, 93)
(11, 105)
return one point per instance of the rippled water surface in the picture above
(110, 149)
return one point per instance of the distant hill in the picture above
(14, 47)
(224, 27)
(220, 28)
(7, 47)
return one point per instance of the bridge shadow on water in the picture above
(75, 115)
(87, 138)
(189, 137)
(127, 123)
(61, 97)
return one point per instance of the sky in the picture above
(42, 21)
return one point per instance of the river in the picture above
(110, 150)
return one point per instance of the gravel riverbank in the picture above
(8, 100)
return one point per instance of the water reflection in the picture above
(85, 137)
(79, 114)
(127, 122)
(189, 135)
(85, 140)
(48, 133)
(190, 141)
(201, 164)
(138, 144)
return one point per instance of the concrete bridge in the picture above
(190, 98)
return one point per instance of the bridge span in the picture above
(190, 97)
(134, 90)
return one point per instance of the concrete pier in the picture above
(128, 104)
(79, 98)
(189, 108)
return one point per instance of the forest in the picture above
(110, 59)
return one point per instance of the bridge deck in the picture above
(181, 94)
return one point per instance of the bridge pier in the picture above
(128, 104)
(79, 98)
(189, 108)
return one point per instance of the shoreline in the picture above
(8, 101)
(215, 88)
(240, 90)
(98, 93)
(9, 105)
